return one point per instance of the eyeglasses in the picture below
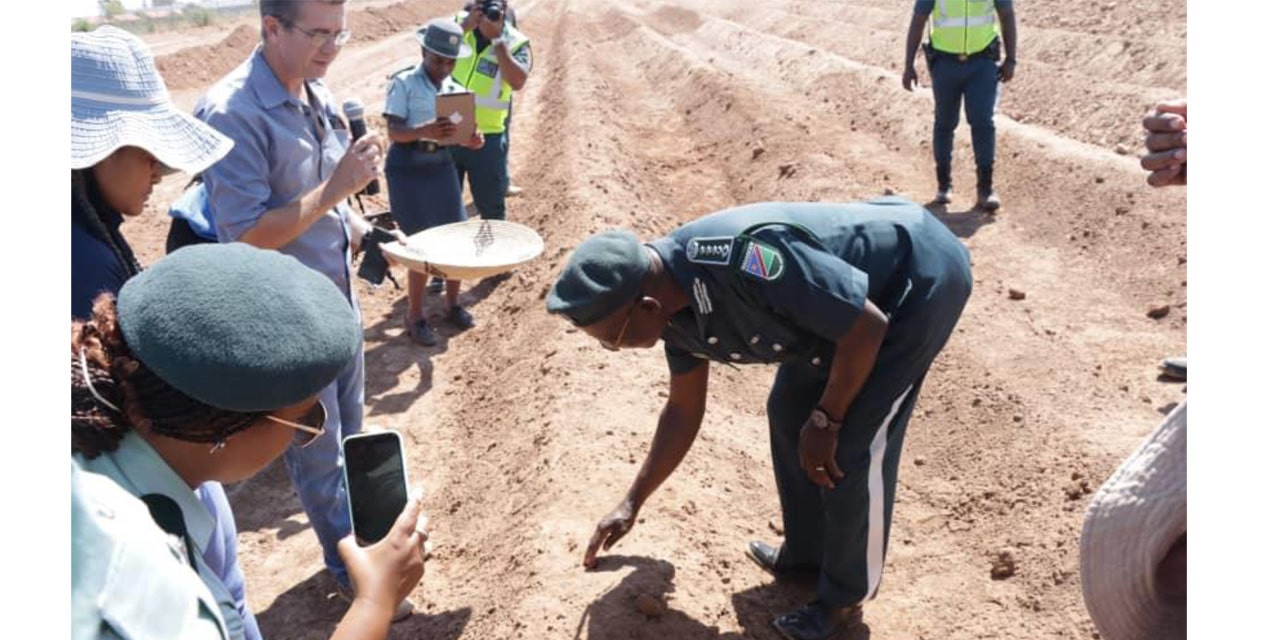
(309, 427)
(319, 38)
(617, 342)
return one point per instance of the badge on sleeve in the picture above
(761, 261)
(710, 250)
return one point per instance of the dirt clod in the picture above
(1157, 311)
(1017, 294)
(1004, 565)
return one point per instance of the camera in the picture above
(374, 267)
(492, 9)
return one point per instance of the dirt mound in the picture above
(201, 66)
(197, 67)
(376, 23)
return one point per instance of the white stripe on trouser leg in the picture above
(876, 524)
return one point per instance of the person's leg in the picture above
(944, 73)
(858, 511)
(417, 283)
(980, 87)
(796, 391)
(451, 288)
(316, 474)
(489, 178)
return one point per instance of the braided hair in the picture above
(87, 204)
(143, 398)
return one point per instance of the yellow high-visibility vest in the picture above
(481, 75)
(963, 26)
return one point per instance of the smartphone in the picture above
(377, 483)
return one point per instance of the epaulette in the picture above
(396, 73)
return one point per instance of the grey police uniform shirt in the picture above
(285, 147)
(130, 579)
(411, 96)
(782, 282)
(139, 470)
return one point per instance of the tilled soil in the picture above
(646, 114)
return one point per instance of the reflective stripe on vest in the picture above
(963, 26)
(493, 94)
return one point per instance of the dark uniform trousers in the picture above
(845, 531)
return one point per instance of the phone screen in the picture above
(375, 483)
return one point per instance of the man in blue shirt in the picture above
(853, 301)
(284, 186)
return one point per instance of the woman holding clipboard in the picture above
(422, 181)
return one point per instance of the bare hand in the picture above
(359, 166)
(909, 78)
(387, 572)
(441, 129)
(1006, 70)
(1166, 159)
(476, 141)
(609, 531)
(818, 455)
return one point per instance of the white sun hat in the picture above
(1133, 522)
(118, 99)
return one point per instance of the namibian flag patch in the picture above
(761, 261)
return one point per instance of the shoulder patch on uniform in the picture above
(710, 250)
(762, 261)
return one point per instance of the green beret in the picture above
(603, 274)
(238, 328)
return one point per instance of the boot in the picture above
(987, 198)
(944, 185)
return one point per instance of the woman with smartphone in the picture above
(422, 180)
(205, 367)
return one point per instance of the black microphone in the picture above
(355, 115)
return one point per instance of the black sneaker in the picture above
(815, 621)
(460, 318)
(421, 333)
(436, 287)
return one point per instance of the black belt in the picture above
(991, 51)
(425, 146)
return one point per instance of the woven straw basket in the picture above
(467, 250)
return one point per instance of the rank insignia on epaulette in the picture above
(710, 250)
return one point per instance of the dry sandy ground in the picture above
(644, 114)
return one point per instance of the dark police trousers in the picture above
(976, 80)
(845, 531)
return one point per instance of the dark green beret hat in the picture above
(238, 328)
(602, 275)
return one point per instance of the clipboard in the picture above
(460, 108)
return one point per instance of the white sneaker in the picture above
(513, 190)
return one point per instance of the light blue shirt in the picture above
(411, 96)
(221, 553)
(129, 579)
(284, 148)
(139, 470)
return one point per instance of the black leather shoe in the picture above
(815, 621)
(767, 558)
(763, 555)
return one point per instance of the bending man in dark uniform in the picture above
(853, 301)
